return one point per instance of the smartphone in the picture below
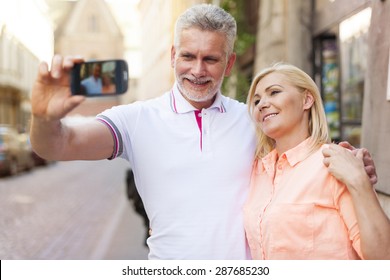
(99, 78)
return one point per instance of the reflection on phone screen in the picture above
(98, 78)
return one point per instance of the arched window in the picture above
(93, 24)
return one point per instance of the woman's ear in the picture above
(308, 100)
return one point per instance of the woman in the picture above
(108, 86)
(296, 209)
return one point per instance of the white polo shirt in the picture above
(193, 177)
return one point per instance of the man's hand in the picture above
(51, 96)
(369, 165)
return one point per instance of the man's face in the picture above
(97, 70)
(200, 64)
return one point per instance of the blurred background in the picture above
(87, 210)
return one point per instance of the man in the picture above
(94, 83)
(191, 149)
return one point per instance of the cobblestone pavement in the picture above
(69, 210)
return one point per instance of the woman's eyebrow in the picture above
(273, 86)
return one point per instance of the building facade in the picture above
(18, 69)
(25, 39)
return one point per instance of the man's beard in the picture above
(192, 94)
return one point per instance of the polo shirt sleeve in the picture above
(121, 121)
(344, 203)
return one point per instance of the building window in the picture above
(353, 63)
(340, 67)
(327, 76)
(93, 24)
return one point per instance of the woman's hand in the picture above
(345, 166)
(369, 165)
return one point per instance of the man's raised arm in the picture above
(51, 101)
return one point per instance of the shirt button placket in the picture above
(279, 171)
(206, 131)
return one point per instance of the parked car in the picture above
(15, 151)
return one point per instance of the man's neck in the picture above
(200, 104)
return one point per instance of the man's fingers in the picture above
(43, 71)
(69, 61)
(346, 145)
(56, 67)
(373, 179)
(360, 154)
(367, 156)
(371, 174)
(43, 68)
(341, 148)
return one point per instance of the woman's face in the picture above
(281, 109)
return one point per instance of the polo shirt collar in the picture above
(180, 105)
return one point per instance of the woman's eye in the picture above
(257, 102)
(275, 92)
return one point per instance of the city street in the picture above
(70, 210)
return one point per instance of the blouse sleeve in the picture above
(343, 201)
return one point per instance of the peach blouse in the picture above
(297, 210)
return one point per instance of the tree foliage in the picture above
(245, 40)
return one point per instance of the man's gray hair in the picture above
(208, 17)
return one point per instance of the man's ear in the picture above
(308, 100)
(173, 54)
(230, 63)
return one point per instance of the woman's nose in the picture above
(263, 103)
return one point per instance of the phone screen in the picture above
(99, 78)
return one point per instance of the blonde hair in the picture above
(318, 127)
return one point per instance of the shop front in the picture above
(340, 41)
